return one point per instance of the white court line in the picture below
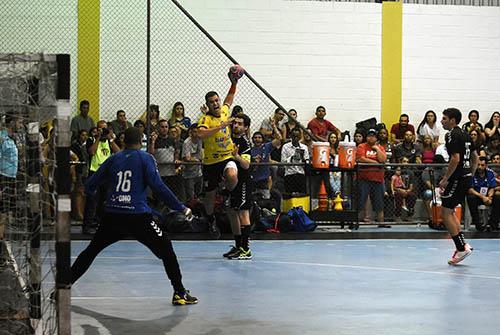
(343, 266)
(361, 267)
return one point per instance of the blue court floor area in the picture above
(359, 287)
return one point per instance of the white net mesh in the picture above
(27, 163)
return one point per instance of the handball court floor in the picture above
(293, 287)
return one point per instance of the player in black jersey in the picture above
(457, 179)
(240, 198)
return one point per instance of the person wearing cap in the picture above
(192, 151)
(371, 179)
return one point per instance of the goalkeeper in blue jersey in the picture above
(126, 212)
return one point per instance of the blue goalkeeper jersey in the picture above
(128, 175)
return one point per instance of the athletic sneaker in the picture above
(242, 254)
(183, 298)
(231, 252)
(459, 256)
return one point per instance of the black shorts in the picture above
(241, 196)
(455, 192)
(212, 174)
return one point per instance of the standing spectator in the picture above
(492, 127)
(167, 150)
(321, 127)
(82, 121)
(79, 148)
(267, 127)
(409, 149)
(8, 172)
(359, 137)
(120, 124)
(429, 126)
(100, 148)
(261, 153)
(371, 179)
(290, 124)
(473, 123)
(334, 176)
(295, 152)
(398, 130)
(179, 120)
(428, 150)
(192, 151)
(482, 192)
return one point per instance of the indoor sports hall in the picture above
(250, 167)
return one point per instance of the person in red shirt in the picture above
(371, 179)
(398, 130)
(321, 127)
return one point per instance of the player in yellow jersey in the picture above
(214, 128)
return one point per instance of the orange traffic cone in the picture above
(322, 198)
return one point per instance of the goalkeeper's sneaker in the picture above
(242, 254)
(183, 298)
(231, 252)
(459, 256)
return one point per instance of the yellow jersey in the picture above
(219, 146)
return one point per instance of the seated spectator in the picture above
(192, 151)
(409, 149)
(298, 153)
(335, 177)
(359, 137)
(492, 127)
(261, 153)
(438, 173)
(430, 127)
(120, 124)
(120, 141)
(320, 127)
(477, 141)
(290, 124)
(473, 123)
(403, 189)
(482, 192)
(492, 148)
(306, 139)
(441, 151)
(398, 130)
(371, 179)
(141, 126)
(334, 141)
(179, 120)
(428, 150)
(154, 117)
(267, 127)
(383, 141)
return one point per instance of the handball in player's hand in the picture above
(235, 73)
(188, 213)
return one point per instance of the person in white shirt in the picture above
(430, 127)
(295, 152)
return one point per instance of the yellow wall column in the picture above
(392, 58)
(89, 14)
